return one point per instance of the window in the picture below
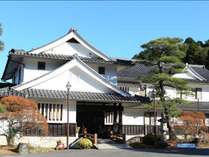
(52, 112)
(109, 118)
(41, 65)
(149, 118)
(197, 93)
(101, 70)
(124, 88)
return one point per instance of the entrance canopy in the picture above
(73, 95)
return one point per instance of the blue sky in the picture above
(116, 28)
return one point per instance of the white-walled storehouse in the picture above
(96, 102)
(197, 77)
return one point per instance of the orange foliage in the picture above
(193, 122)
(188, 115)
(15, 103)
(22, 114)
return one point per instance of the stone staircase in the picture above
(109, 144)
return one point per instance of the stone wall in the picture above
(38, 141)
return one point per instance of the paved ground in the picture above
(122, 153)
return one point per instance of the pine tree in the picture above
(167, 55)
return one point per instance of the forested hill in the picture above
(192, 52)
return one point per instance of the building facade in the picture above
(105, 94)
(95, 102)
(197, 77)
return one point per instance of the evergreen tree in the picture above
(167, 55)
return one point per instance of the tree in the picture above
(195, 53)
(1, 43)
(2, 109)
(21, 114)
(193, 123)
(167, 55)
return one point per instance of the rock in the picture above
(23, 148)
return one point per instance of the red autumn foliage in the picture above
(21, 114)
(193, 123)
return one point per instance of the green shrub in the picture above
(85, 143)
(137, 145)
(152, 140)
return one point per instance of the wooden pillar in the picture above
(145, 127)
(115, 118)
(120, 118)
(95, 139)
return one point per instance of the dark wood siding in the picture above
(54, 129)
(139, 129)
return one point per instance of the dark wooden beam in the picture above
(120, 119)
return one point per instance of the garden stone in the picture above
(23, 148)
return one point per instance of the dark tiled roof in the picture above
(135, 71)
(201, 70)
(23, 53)
(81, 96)
(195, 106)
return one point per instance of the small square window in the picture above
(41, 65)
(101, 70)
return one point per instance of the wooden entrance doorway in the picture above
(92, 116)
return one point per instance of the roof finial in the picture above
(72, 29)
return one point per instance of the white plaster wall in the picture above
(31, 68)
(110, 71)
(205, 93)
(203, 97)
(68, 48)
(72, 112)
(207, 122)
(185, 75)
(31, 72)
(79, 80)
(132, 116)
(135, 116)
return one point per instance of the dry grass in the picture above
(203, 145)
(7, 150)
(40, 149)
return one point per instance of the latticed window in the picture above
(109, 118)
(52, 112)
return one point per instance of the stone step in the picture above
(112, 146)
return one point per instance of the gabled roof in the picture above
(72, 34)
(200, 72)
(133, 73)
(57, 57)
(16, 55)
(76, 61)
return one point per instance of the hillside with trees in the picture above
(194, 52)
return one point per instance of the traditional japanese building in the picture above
(94, 99)
(197, 77)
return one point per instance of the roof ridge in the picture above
(197, 74)
(196, 65)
